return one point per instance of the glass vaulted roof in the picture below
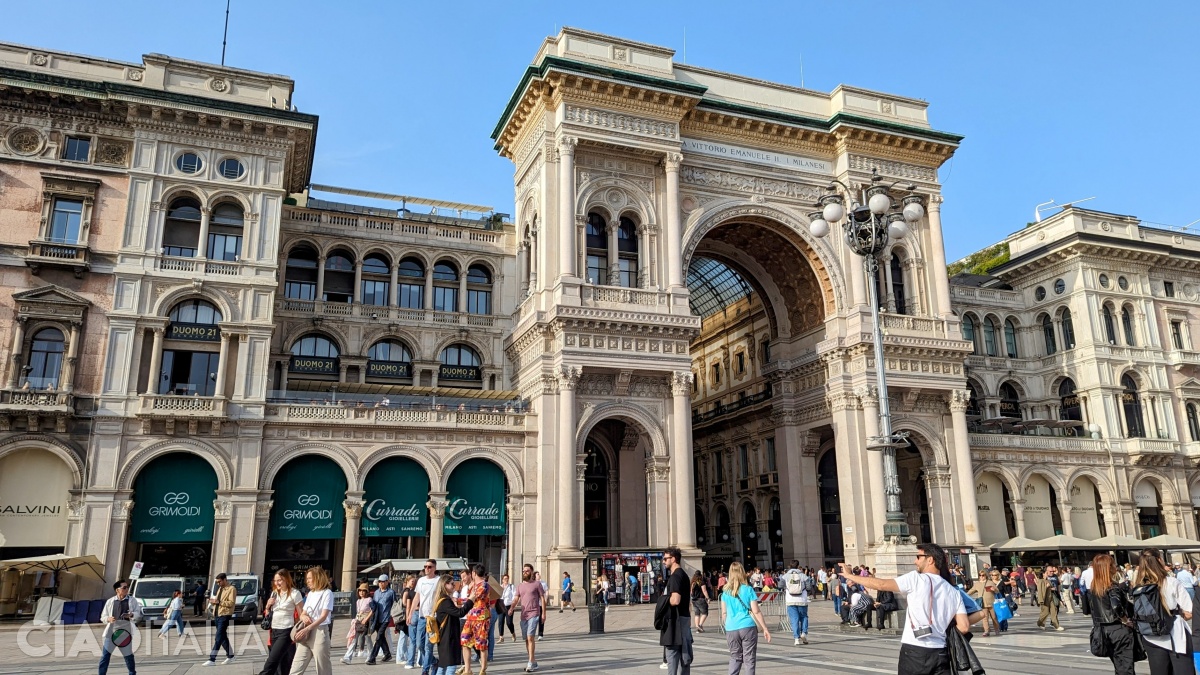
(714, 286)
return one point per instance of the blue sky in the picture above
(1057, 100)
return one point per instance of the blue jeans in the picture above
(798, 615)
(492, 634)
(222, 639)
(105, 655)
(837, 605)
(425, 647)
(408, 651)
(176, 619)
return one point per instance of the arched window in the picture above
(1069, 404)
(989, 336)
(1068, 329)
(339, 277)
(315, 345)
(973, 404)
(460, 367)
(181, 233)
(479, 290)
(1010, 338)
(596, 237)
(968, 332)
(1193, 422)
(898, 289)
(460, 355)
(445, 287)
(1010, 402)
(1127, 325)
(300, 274)
(411, 275)
(225, 229)
(1110, 326)
(627, 252)
(1048, 334)
(191, 360)
(389, 358)
(1132, 405)
(46, 359)
(376, 280)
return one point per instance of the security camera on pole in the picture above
(871, 225)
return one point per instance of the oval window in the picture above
(1123, 283)
(231, 168)
(1039, 294)
(1059, 286)
(1103, 281)
(188, 162)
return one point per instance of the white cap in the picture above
(384, 577)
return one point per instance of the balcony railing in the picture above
(1024, 441)
(35, 401)
(170, 405)
(58, 254)
(727, 408)
(170, 263)
(335, 414)
(421, 225)
(379, 313)
(593, 295)
(1179, 358)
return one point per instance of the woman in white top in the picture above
(1167, 654)
(282, 605)
(508, 595)
(173, 614)
(316, 617)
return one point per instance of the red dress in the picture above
(477, 625)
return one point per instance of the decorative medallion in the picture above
(40, 59)
(135, 75)
(619, 53)
(1105, 226)
(25, 141)
(112, 153)
(218, 84)
(615, 198)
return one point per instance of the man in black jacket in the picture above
(885, 603)
(676, 633)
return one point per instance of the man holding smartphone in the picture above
(120, 614)
(934, 604)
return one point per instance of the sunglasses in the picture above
(430, 567)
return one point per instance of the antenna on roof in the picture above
(685, 44)
(1037, 210)
(802, 70)
(225, 36)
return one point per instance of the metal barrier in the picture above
(773, 606)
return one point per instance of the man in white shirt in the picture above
(1188, 580)
(823, 581)
(1085, 584)
(424, 607)
(796, 585)
(934, 604)
(1066, 583)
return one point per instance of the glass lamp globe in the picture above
(879, 204)
(833, 212)
(897, 230)
(913, 212)
(819, 228)
(751, 535)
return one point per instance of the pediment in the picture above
(1190, 388)
(50, 301)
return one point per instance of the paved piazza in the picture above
(631, 646)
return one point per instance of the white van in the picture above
(246, 586)
(154, 593)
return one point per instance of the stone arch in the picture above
(640, 416)
(1022, 391)
(63, 451)
(485, 352)
(925, 438)
(1047, 472)
(283, 455)
(418, 254)
(400, 333)
(174, 192)
(222, 196)
(820, 254)
(418, 454)
(380, 250)
(299, 241)
(1006, 476)
(339, 245)
(485, 263)
(1166, 488)
(1107, 493)
(633, 198)
(771, 297)
(143, 456)
(502, 459)
(190, 291)
(298, 331)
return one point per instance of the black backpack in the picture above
(1151, 616)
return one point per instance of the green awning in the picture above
(309, 492)
(475, 499)
(395, 500)
(173, 500)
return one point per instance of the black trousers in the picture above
(279, 659)
(505, 619)
(381, 642)
(1122, 639)
(923, 661)
(1166, 662)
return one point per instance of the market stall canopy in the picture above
(416, 565)
(1060, 542)
(1014, 544)
(1171, 542)
(1116, 541)
(82, 565)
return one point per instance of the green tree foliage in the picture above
(980, 262)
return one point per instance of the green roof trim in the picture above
(828, 125)
(558, 63)
(116, 89)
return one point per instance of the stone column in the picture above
(202, 244)
(462, 291)
(566, 206)
(428, 289)
(799, 494)
(357, 282)
(222, 365)
(14, 379)
(889, 297)
(658, 471)
(858, 282)
(516, 535)
(869, 396)
(674, 261)
(963, 468)
(534, 259)
(643, 235)
(937, 260)
(394, 289)
(614, 258)
(1018, 509)
(437, 520)
(568, 497)
(523, 269)
(66, 380)
(258, 545)
(154, 377)
(1064, 511)
(353, 508)
(681, 460)
(320, 278)
(283, 376)
(222, 531)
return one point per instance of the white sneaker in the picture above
(1060, 629)
(209, 663)
(796, 642)
(804, 638)
(346, 659)
(539, 638)
(407, 667)
(533, 667)
(227, 661)
(662, 666)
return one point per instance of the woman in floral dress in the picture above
(477, 626)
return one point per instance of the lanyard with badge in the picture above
(926, 630)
